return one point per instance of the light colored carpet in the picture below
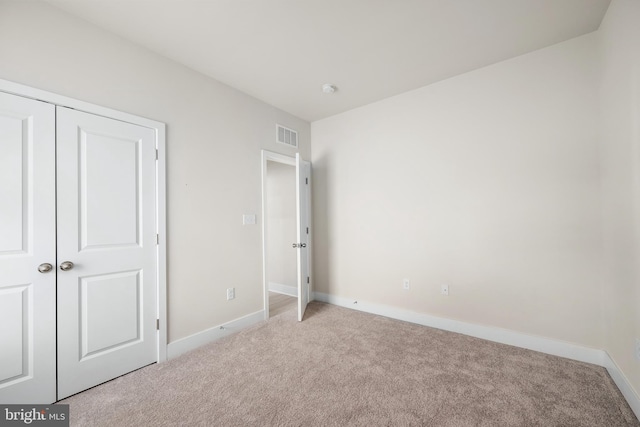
(352, 368)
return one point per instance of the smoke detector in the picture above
(329, 88)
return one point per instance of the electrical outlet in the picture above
(406, 284)
(638, 349)
(231, 293)
(444, 290)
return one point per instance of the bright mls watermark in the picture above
(34, 415)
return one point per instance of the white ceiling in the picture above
(282, 51)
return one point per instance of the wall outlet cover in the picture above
(406, 284)
(444, 290)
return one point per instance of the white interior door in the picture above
(303, 216)
(27, 241)
(107, 295)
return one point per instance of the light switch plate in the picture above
(248, 219)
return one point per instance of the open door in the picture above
(303, 215)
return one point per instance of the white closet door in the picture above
(107, 297)
(303, 216)
(27, 240)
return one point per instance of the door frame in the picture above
(161, 184)
(278, 158)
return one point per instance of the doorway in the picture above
(285, 233)
(280, 224)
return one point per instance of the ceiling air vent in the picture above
(286, 136)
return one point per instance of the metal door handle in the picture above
(45, 267)
(66, 266)
(299, 245)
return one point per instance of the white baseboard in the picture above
(279, 288)
(194, 341)
(623, 384)
(504, 336)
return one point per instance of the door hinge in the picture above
(306, 181)
(157, 239)
(156, 154)
(157, 324)
(307, 279)
(307, 230)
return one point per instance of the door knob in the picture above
(299, 245)
(45, 267)
(66, 266)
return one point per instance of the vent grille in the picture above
(286, 136)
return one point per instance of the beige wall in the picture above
(487, 182)
(281, 224)
(215, 134)
(619, 38)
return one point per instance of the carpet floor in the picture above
(341, 367)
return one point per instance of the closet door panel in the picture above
(27, 242)
(109, 202)
(107, 301)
